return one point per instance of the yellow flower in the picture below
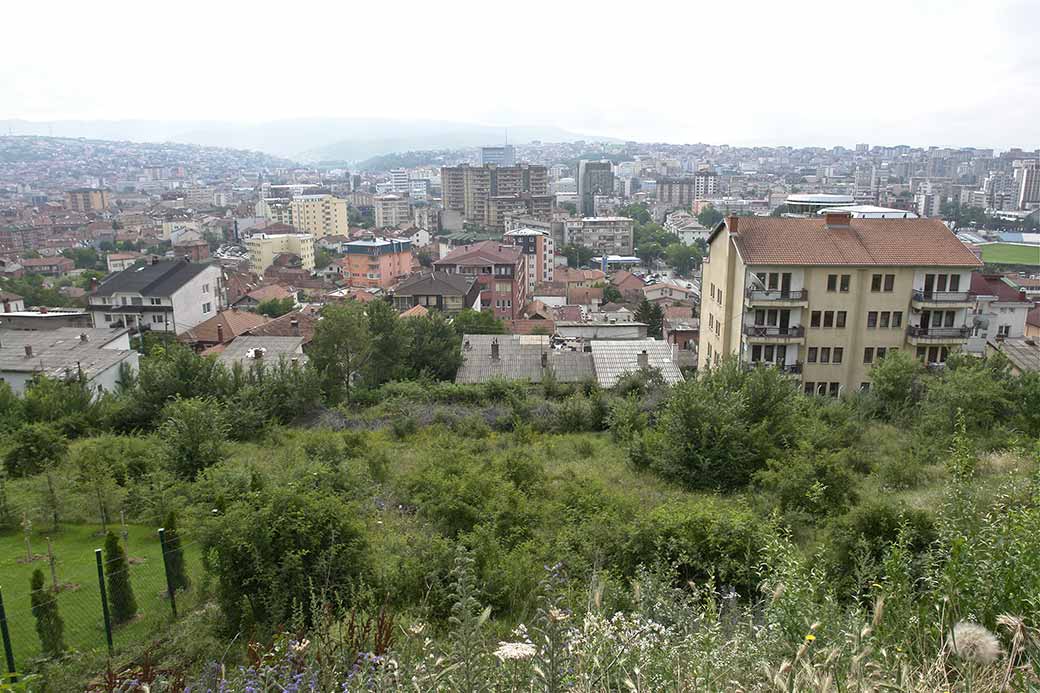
(810, 637)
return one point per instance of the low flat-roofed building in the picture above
(45, 318)
(66, 352)
(251, 351)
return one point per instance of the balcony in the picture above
(937, 335)
(765, 334)
(776, 298)
(942, 299)
(785, 368)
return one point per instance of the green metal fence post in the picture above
(8, 652)
(166, 569)
(104, 599)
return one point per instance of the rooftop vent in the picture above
(837, 220)
(28, 351)
(644, 359)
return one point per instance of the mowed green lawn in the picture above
(1011, 254)
(79, 602)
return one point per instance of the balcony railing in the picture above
(777, 295)
(944, 296)
(939, 332)
(785, 368)
(771, 331)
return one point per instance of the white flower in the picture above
(513, 651)
(972, 642)
(416, 628)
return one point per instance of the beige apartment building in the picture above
(320, 215)
(264, 247)
(86, 199)
(391, 211)
(825, 298)
(486, 194)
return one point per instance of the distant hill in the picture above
(301, 139)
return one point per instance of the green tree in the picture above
(276, 307)
(322, 258)
(471, 321)
(85, 258)
(49, 625)
(435, 346)
(653, 315)
(709, 217)
(341, 349)
(611, 294)
(390, 343)
(123, 604)
(896, 384)
(194, 435)
(577, 255)
(96, 469)
(637, 212)
(682, 258)
(175, 553)
(33, 448)
(570, 208)
(272, 550)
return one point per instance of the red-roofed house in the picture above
(501, 271)
(1001, 309)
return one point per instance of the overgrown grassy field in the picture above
(1011, 254)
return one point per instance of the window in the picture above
(774, 281)
(832, 282)
(885, 315)
(207, 307)
(205, 288)
(839, 352)
(1004, 331)
(718, 328)
(720, 297)
(881, 351)
(108, 317)
(864, 387)
(158, 319)
(713, 291)
(897, 318)
(756, 353)
(834, 389)
(868, 355)
(825, 354)
(890, 282)
(839, 319)
(709, 350)
(811, 357)
(875, 283)
(814, 319)
(155, 301)
(810, 388)
(846, 279)
(828, 318)
(955, 282)
(821, 389)
(872, 319)
(711, 321)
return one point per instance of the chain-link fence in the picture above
(71, 567)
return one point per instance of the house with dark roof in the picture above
(501, 271)
(222, 328)
(825, 298)
(448, 293)
(166, 296)
(1001, 309)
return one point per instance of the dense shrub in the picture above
(194, 435)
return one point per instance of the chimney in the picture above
(155, 259)
(43, 309)
(295, 325)
(83, 337)
(220, 333)
(545, 359)
(644, 359)
(1022, 295)
(7, 305)
(494, 349)
(93, 284)
(731, 223)
(837, 220)
(28, 351)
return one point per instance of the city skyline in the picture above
(812, 74)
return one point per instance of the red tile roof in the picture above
(996, 285)
(415, 311)
(481, 253)
(232, 322)
(871, 242)
(283, 327)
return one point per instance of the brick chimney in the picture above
(93, 284)
(28, 351)
(837, 220)
(295, 325)
(220, 333)
(494, 349)
(644, 359)
(731, 223)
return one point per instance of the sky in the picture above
(744, 72)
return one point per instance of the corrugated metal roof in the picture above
(520, 358)
(614, 358)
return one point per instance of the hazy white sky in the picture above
(942, 72)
